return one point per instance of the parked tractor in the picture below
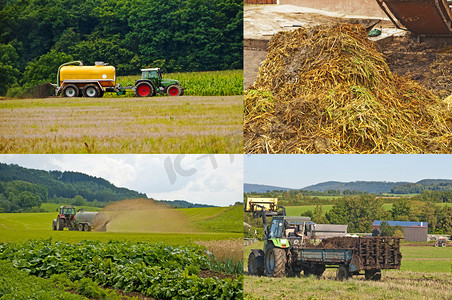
(441, 242)
(76, 80)
(81, 221)
(290, 247)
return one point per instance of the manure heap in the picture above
(327, 89)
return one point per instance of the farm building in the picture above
(413, 231)
(329, 230)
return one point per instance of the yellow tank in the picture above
(106, 75)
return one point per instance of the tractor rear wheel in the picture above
(91, 91)
(256, 263)
(275, 261)
(342, 273)
(173, 90)
(144, 89)
(59, 225)
(70, 90)
(374, 274)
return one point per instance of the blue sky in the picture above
(299, 171)
(207, 179)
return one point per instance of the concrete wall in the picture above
(369, 8)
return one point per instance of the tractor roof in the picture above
(295, 220)
(152, 69)
(67, 206)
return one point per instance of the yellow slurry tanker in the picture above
(76, 80)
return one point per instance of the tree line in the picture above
(22, 189)
(359, 212)
(176, 35)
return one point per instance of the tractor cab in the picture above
(290, 227)
(66, 212)
(151, 74)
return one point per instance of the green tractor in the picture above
(152, 83)
(282, 238)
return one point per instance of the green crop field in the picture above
(186, 124)
(213, 83)
(426, 273)
(160, 263)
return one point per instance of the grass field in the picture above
(187, 124)
(216, 223)
(301, 209)
(52, 207)
(213, 83)
(426, 273)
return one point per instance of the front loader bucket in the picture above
(422, 17)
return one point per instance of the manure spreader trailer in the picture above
(81, 221)
(290, 246)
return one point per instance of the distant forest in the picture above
(24, 189)
(176, 35)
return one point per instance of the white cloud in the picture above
(207, 179)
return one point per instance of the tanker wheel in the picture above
(144, 89)
(275, 262)
(80, 227)
(70, 91)
(374, 274)
(87, 227)
(91, 91)
(443, 244)
(256, 263)
(173, 90)
(342, 273)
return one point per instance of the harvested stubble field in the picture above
(327, 89)
(187, 124)
(425, 274)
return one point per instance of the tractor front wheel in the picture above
(70, 91)
(144, 89)
(91, 91)
(173, 90)
(275, 261)
(256, 263)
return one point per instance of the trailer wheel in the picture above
(256, 263)
(144, 89)
(173, 90)
(70, 90)
(342, 273)
(374, 274)
(275, 261)
(91, 91)
(80, 227)
(87, 227)
(443, 244)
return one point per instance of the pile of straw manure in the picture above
(327, 89)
